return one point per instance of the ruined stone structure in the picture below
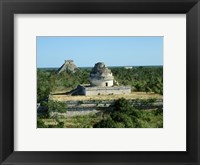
(68, 66)
(101, 76)
(114, 90)
(101, 83)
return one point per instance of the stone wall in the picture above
(89, 91)
(86, 107)
(101, 82)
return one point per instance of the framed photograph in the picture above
(98, 82)
(79, 95)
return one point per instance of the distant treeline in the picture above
(110, 67)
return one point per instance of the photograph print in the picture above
(99, 81)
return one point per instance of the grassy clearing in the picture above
(82, 121)
(134, 95)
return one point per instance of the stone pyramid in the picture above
(68, 66)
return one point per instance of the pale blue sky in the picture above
(86, 51)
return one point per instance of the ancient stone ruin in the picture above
(101, 76)
(68, 66)
(101, 83)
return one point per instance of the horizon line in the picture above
(106, 66)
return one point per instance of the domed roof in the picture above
(101, 71)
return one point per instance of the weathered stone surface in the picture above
(107, 90)
(101, 75)
(68, 66)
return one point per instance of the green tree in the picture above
(55, 107)
(122, 105)
(43, 85)
(105, 123)
(122, 118)
(41, 124)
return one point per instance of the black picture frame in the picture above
(10, 7)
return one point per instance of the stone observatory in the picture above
(101, 76)
(102, 82)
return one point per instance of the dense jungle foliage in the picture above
(125, 115)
